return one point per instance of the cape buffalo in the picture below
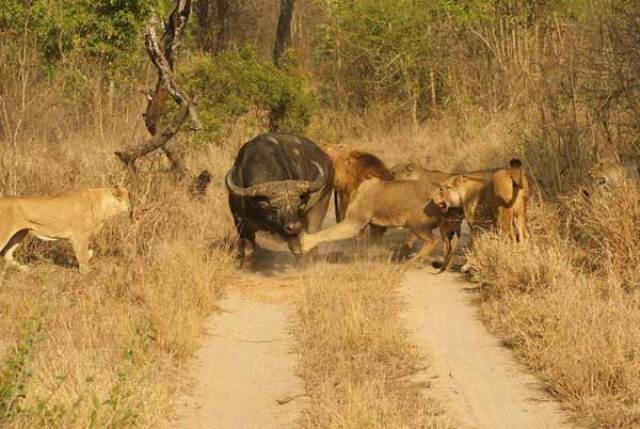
(281, 184)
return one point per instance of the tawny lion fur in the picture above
(500, 200)
(351, 169)
(74, 216)
(396, 203)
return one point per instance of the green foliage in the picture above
(379, 50)
(109, 31)
(14, 372)
(404, 52)
(238, 85)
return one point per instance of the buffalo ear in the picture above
(119, 192)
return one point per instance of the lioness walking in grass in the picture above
(74, 216)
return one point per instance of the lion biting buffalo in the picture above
(281, 184)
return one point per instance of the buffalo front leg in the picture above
(246, 244)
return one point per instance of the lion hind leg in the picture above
(450, 232)
(505, 222)
(10, 242)
(424, 232)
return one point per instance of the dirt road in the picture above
(245, 366)
(477, 379)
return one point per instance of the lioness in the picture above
(609, 173)
(73, 215)
(397, 203)
(501, 199)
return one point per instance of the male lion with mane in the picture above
(351, 169)
(74, 216)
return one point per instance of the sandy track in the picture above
(476, 377)
(245, 366)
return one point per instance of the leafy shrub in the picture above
(237, 84)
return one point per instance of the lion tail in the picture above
(516, 173)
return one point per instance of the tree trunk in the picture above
(203, 12)
(283, 37)
(162, 53)
(223, 35)
(283, 32)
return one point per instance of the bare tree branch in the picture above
(162, 53)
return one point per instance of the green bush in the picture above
(238, 85)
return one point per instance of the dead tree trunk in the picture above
(162, 53)
(283, 32)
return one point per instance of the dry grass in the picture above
(108, 349)
(354, 356)
(568, 302)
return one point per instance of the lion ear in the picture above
(411, 167)
(515, 163)
(458, 180)
(119, 191)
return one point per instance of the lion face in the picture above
(449, 194)
(120, 202)
(606, 174)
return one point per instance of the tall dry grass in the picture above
(354, 357)
(109, 349)
(568, 300)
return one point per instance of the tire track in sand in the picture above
(477, 378)
(245, 367)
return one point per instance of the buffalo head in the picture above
(282, 203)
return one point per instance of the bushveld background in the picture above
(452, 85)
